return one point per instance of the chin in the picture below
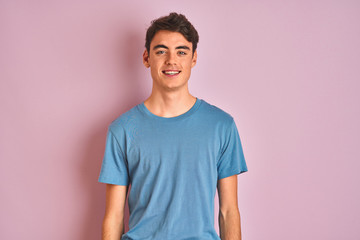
(175, 86)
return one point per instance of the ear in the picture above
(194, 59)
(146, 59)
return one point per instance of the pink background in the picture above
(287, 71)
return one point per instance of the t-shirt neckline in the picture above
(170, 119)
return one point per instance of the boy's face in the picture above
(170, 60)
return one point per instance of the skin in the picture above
(170, 97)
(229, 215)
(113, 222)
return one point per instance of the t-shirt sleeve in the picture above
(114, 168)
(232, 160)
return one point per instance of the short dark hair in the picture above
(173, 22)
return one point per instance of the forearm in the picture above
(229, 225)
(112, 229)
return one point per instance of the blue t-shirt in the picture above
(173, 165)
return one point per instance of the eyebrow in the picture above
(163, 46)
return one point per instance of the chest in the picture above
(151, 148)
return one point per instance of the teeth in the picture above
(171, 72)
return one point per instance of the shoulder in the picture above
(125, 120)
(213, 112)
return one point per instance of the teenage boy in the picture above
(174, 149)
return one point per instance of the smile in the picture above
(171, 72)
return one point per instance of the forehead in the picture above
(170, 39)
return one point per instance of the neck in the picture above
(169, 104)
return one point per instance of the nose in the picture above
(171, 58)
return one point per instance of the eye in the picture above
(182, 53)
(160, 52)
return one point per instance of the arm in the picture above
(229, 216)
(113, 223)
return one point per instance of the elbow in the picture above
(229, 213)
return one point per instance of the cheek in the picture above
(154, 72)
(188, 66)
(154, 67)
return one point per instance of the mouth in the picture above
(171, 73)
